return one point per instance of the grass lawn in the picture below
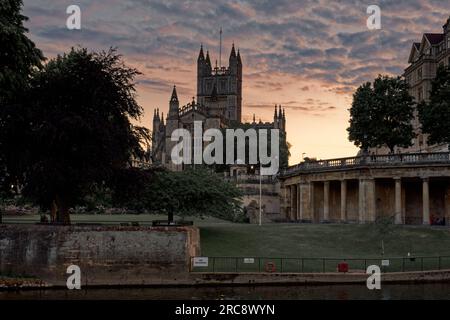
(325, 240)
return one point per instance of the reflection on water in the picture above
(326, 292)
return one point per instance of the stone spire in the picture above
(173, 104)
(208, 60)
(233, 52)
(174, 97)
(201, 56)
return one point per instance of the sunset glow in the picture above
(308, 56)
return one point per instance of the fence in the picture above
(316, 265)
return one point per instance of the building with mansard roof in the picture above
(425, 57)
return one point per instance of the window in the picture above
(419, 73)
(420, 94)
(448, 43)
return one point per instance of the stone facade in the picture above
(253, 187)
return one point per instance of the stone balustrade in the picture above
(369, 160)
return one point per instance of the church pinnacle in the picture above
(174, 97)
(233, 52)
(201, 55)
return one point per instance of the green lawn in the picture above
(331, 240)
(281, 244)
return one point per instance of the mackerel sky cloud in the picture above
(308, 56)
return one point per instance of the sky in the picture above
(308, 56)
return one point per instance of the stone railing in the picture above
(191, 107)
(369, 160)
(251, 179)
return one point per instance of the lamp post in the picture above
(260, 195)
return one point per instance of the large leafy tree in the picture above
(80, 108)
(192, 192)
(18, 59)
(381, 114)
(435, 115)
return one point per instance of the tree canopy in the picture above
(192, 192)
(19, 58)
(79, 131)
(434, 116)
(381, 114)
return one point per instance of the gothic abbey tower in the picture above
(218, 105)
(220, 88)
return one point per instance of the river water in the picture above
(325, 292)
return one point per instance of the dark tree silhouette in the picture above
(18, 59)
(79, 110)
(434, 116)
(381, 114)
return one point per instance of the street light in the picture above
(260, 195)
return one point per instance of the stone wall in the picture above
(107, 255)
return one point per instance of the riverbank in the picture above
(244, 280)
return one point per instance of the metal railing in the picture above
(317, 265)
(370, 160)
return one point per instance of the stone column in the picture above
(447, 204)
(299, 202)
(361, 201)
(343, 200)
(426, 200)
(311, 201)
(306, 213)
(371, 201)
(287, 200)
(326, 201)
(291, 211)
(367, 205)
(398, 200)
